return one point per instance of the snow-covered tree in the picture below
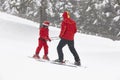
(98, 17)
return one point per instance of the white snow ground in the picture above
(18, 40)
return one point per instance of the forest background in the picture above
(94, 17)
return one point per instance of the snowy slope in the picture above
(18, 39)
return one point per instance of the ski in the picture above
(41, 60)
(63, 64)
(66, 62)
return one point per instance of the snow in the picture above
(116, 5)
(116, 18)
(88, 9)
(95, 21)
(18, 40)
(107, 14)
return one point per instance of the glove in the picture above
(41, 39)
(59, 36)
(49, 39)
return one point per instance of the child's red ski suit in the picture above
(42, 42)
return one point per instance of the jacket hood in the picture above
(66, 15)
(69, 21)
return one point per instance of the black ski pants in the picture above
(70, 44)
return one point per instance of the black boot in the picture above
(60, 61)
(77, 63)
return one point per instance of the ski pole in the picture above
(55, 38)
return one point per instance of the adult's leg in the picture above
(61, 44)
(73, 50)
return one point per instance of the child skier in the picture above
(42, 41)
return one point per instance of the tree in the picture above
(43, 14)
(98, 17)
(118, 1)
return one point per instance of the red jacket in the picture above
(44, 33)
(68, 28)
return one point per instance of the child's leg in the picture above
(45, 51)
(40, 43)
(45, 48)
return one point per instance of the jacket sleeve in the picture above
(41, 33)
(75, 27)
(45, 34)
(63, 29)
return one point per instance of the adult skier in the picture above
(68, 30)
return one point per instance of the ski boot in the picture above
(59, 61)
(77, 63)
(46, 57)
(36, 56)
